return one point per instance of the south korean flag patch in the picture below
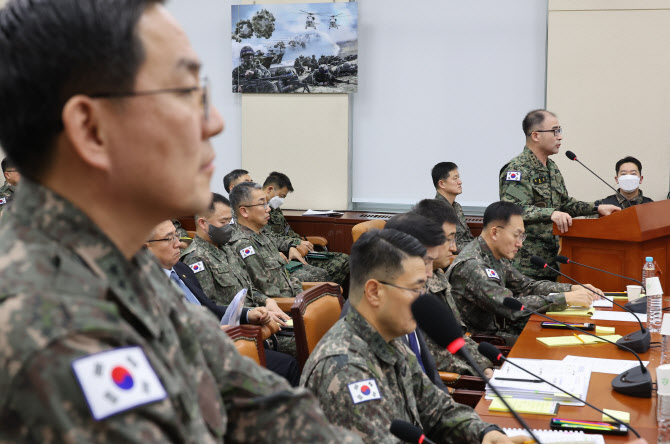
(363, 391)
(514, 176)
(117, 380)
(197, 267)
(3, 200)
(246, 252)
(492, 274)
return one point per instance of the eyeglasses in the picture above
(452, 241)
(416, 291)
(517, 236)
(265, 205)
(173, 238)
(556, 131)
(204, 90)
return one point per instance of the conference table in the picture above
(642, 410)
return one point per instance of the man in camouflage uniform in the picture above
(277, 186)
(248, 77)
(91, 323)
(363, 374)
(448, 185)
(482, 276)
(234, 177)
(444, 216)
(533, 181)
(628, 177)
(12, 177)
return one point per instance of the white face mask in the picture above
(629, 182)
(276, 202)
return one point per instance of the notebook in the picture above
(557, 436)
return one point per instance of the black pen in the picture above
(518, 380)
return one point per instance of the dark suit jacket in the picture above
(189, 278)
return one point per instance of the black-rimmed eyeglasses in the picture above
(417, 291)
(174, 238)
(557, 131)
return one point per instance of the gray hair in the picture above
(242, 193)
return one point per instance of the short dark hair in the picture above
(7, 164)
(233, 175)
(279, 180)
(441, 171)
(501, 212)
(242, 193)
(429, 233)
(533, 120)
(627, 159)
(437, 211)
(216, 198)
(379, 254)
(53, 50)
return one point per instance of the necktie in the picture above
(184, 289)
(414, 345)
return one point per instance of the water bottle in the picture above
(654, 296)
(663, 403)
(665, 340)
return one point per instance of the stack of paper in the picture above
(516, 383)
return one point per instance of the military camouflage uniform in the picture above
(222, 275)
(180, 230)
(480, 283)
(67, 292)
(257, 85)
(5, 191)
(444, 360)
(463, 234)
(353, 351)
(540, 191)
(337, 267)
(614, 199)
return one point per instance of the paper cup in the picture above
(633, 292)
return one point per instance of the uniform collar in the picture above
(210, 248)
(364, 330)
(438, 282)
(532, 158)
(635, 201)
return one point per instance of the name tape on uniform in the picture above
(492, 274)
(117, 380)
(197, 267)
(246, 252)
(363, 391)
(514, 175)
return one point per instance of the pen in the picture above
(575, 335)
(518, 380)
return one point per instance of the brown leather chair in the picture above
(368, 225)
(313, 313)
(248, 341)
(285, 304)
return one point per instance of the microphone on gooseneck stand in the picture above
(405, 431)
(640, 341)
(572, 156)
(633, 382)
(494, 355)
(439, 324)
(639, 305)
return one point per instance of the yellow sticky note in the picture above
(621, 416)
(602, 330)
(573, 311)
(529, 406)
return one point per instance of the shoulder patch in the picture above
(117, 380)
(246, 252)
(3, 200)
(513, 175)
(197, 267)
(492, 274)
(363, 391)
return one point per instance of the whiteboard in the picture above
(443, 80)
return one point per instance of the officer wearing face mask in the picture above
(628, 177)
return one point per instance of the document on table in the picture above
(322, 213)
(528, 406)
(556, 436)
(601, 315)
(565, 341)
(573, 311)
(603, 303)
(601, 365)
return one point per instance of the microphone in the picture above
(636, 306)
(438, 322)
(572, 156)
(633, 382)
(494, 355)
(639, 341)
(405, 431)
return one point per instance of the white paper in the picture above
(601, 365)
(320, 213)
(603, 303)
(557, 436)
(601, 315)
(234, 310)
(665, 326)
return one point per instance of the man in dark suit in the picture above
(164, 245)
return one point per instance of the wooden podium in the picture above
(619, 244)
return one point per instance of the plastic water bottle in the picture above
(663, 403)
(665, 340)
(654, 297)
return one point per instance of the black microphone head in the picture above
(405, 431)
(436, 320)
(562, 259)
(490, 351)
(570, 155)
(513, 304)
(538, 261)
